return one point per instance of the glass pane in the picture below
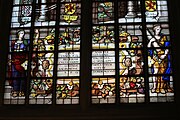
(159, 63)
(158, 35)
(18, 56)
(45, 14)
(42, 66)
(103, 63)
(70, 14)
(103, 90)
(68, 64)
(130, 36)
(16, 78)
(69, 38)
(44, 39)
(103, 37)
(41, 91)
(156, 10)
(161, 88)
(132, 89)
(19, 40)
(103, 12)
(131, 62)
(67, 91)
(21, 16)
(129, 11)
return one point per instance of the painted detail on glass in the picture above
(42, 65)
(131, 62)
(156, 10)
(103, 63)
(15, 84)
(130, 36)
(70, 14)
(129, 11)
(44, 39)
(68, 64)
(69, 38)
(103, 37)
(67, 91)
(41, 91)
(42, 72)
(103, 90)
(103, 12)
(159, 63)
(45, 12)
(132, 89)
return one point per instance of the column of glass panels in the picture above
(42, 58)
(131, 61)
(17, 59)
(103, 52)
(159, 51)
(68, 66)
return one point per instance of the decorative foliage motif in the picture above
(103, 90)
(67, 91)
(103, 37)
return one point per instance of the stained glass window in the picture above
(130, 48)
(44, 52)
(138, 35)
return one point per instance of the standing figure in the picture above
(18, 66)
(19, 71)
(21, 44)
(161, 58)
